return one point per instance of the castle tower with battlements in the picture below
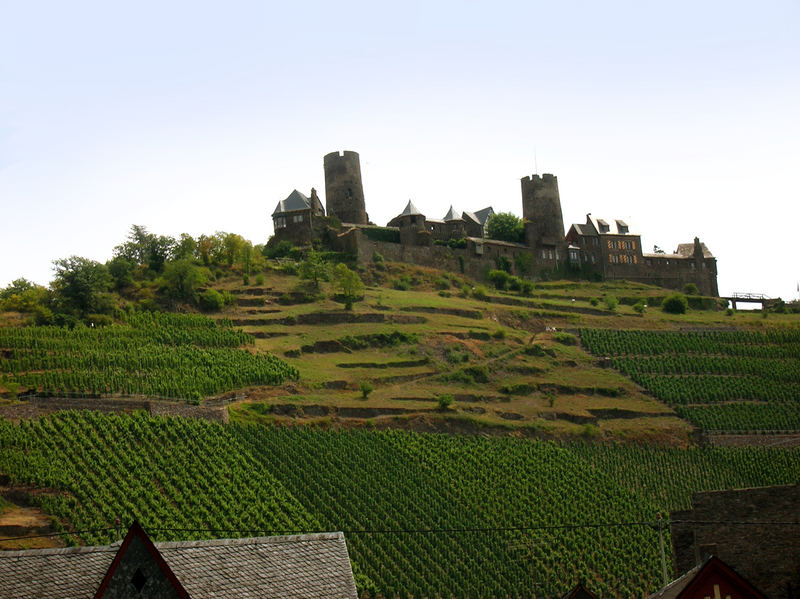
(541, 208)
(344, 193)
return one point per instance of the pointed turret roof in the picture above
(409, 210)
(452, 215)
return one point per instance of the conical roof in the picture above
(409, 210)
(452, 215)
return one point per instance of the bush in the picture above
(690, 289)
(499, 334)
(455, 355)
(565, 338)
(445, 294)
(281, 250)
(611, 302)
(479, 373)
(499, 278)
(594, 301)
(403, 283)
(526, 288)
(480, 293)
(465, 290)
(442, 283)
(445, 401)
(675, 303)
(260, 278)
(514, 283)
(640, 307)
(366, 388)
(212, 300)
(534, 350)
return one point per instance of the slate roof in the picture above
(409, 210)
(471, 216)
(615, 226)
(484, 214)
(295, 201)
(315, 565)
(452, 215)
(687, 250)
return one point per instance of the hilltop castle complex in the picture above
(607, 248)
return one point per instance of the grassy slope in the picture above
(564, 387)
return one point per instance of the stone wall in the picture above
(38, 406)
(755, 531)
(478, 257)
(669, 271)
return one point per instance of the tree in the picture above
(26, 297)
(185, 247)
(184, 278)
(145, 248)
(348, 285)
(314, 268)
(81, 286)
(121, 270)
(505, 226)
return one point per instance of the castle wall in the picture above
(344, 192)
(670, 271)
(479, 257)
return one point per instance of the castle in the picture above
(604, 248)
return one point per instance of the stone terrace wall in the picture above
(38, 406)
(735, 526)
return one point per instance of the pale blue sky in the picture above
(195, 117)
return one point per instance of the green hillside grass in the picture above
(440, 354)
(424, 515)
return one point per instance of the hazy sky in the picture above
(683, 117)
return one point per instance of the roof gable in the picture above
(138, 566)
(579, 592)
(712, 579)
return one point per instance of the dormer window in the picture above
(622, 227)
(604, 228)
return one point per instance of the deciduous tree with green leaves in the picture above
(347, 285)
(505, 226)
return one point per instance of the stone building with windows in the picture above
(605, 248)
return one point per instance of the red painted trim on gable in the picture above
(716, 565)
(137, 531)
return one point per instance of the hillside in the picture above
(578, 415)
(424, 515)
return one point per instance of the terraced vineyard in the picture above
(157, 354)
(718, 380)
(424, 515)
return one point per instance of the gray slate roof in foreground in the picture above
(314, 565)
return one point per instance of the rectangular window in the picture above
(635, 260)
(297, 218)
(280, 222)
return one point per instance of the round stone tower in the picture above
(344, 194)
(541, 208)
